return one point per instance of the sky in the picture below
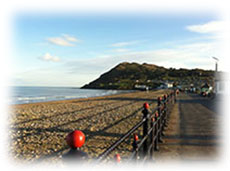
(75, 49)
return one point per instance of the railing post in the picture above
(152, 137)
(169, 103)
(165, 102)
(156, 132)
(145, 128)
(174, 96)
(135, 139)
(164, 115)
(168, 109)
(160, 119)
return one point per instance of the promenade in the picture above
(193, 132)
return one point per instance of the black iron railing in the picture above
(153, 123)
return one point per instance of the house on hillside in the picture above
(166, 85)
(141, 87)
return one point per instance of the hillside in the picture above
(126, 75)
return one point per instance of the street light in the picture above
(215, 78)
(216, 59)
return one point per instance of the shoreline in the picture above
(76, 99)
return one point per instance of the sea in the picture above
(26, 94)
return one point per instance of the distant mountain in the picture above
(127, 76)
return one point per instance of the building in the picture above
(166, 85)
(220, 83)
(141, 87)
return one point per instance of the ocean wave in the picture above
(44, 98)
(30, 98)
(22, 100)
(35, 94)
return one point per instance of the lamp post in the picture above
(216, 69)
(216, 59)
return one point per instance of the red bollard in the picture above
(146, 105)
(136, 137)
(156, 114)
(75, 139)
(117, 158)
(159, 99)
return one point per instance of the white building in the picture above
(221, 84)
(141, 87)
(166, 85)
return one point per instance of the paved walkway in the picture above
(193, 133)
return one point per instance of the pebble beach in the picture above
(38, 130)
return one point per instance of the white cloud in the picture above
(48, 57)
(64, 40)
(210, 27)
(120, 50)
(122, 44)
(70, 38)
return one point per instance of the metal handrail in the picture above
(118, 142)
(159, 122)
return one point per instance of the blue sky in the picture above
(72, 50)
